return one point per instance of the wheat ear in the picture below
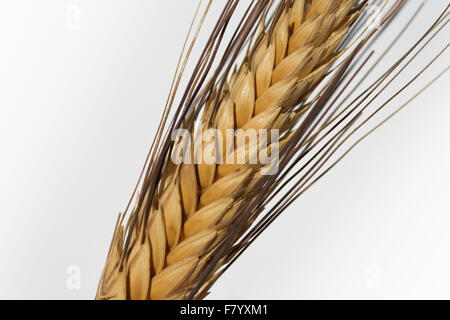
(196, 203)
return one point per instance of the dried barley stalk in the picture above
(175, 240)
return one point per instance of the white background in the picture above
(82, 86)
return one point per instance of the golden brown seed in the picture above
(189, 188)
(206, 217)
(171, 204)
(192, 246)
(206, 166)
(224, 187)
(264, 69)
(298, 14)
(225, 122)
(171, 277)
(139, 273)
(118, 288)
(292, 65)
(263, 120)
(274, 95)
(305, 34)
(158, 240)
(281, 38)
(244, 98)
(261, 50)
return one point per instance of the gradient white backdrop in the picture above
(82, 86)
